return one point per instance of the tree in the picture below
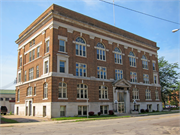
(168, 76)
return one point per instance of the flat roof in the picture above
(7, 91)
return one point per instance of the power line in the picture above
(140, 12)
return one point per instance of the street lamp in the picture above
(175, 30)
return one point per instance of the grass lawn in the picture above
(84, 118)
(8, 120)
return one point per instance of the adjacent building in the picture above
(7, 98)
(70, 64)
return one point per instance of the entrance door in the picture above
(30, 107)
(44, 111)
(121, 103)
(33, 110)
(157, 107)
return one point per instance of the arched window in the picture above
(144, 62)
(18, 95)
(80, 47)
(82, 91)
(117, 56)
(148, 94)
(135, 93)
(156, 95)
(103, 92)
(101, 54)
(45, 88)
(29, 91)
(132, 59)
(62, 90)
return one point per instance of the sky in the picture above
(16, 15)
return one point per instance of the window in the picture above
(132, 59)
(144, 62)
(133, 76)
(101, 72)
(46, 67)
(31, 73)
(118, 74)
(81, 69)
(154, 66)
(148, 94)
(156, 95)
(62, 90)
(18, 95)
(20, 61)
(33, 42)
(19, 77)
(62, 111)
(37, 71)
(38, 50)
(101, 52)
(47, 46)
(1, 99)
(103, 92)
(62, 67)
(30, 58)
(45, 93)
(6, 99)
(135, 93)
(82, 91)
(34, 90)
(80, 47)
(104, 109)
(30, 44)
(155, 79)
(29, 91)
(146, 78)
(25, 75)
(12, 98)
(62, 46)
(117, 56)
(82, 110)
(33, 54)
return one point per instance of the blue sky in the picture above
(16, 15)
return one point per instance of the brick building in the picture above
(70, 64)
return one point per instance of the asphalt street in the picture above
(146, 125)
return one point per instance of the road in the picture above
(146, 125)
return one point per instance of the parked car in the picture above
(3, 110)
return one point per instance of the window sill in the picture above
(29, 96)
(82, 99)
(63, 98)
(145, 68)
(157, 99)
(102, 60)
(137, 99)
(34, 95)
(103, 99)
(81, 56)
(46, 53)
(62, 52)
(45, 99)
(119, 63)
(148, 99)
(133, 66)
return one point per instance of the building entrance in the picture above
(121, 103)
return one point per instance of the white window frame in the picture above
(103, 91)
(79, 89)
(34, 91)
(38, 51)
(82, 110)
(29, 91)
(25, 76)
(63, 39)
(135, 95)
(154, 67)
(61, 90)
(118, 74)
(65, 58)
(155, 75)
(134, 77)
(118, 55)
(133, 60)
(83, 45)
(156, 95)
(99, 49)
(146, 78)
(148, 94)
(18, 95)
(37, 71)
(20, 61)
(31, 73)
(144, 63)
(33, 54)
(81, 67)
(19, 76)
(101, 69)
(103, 109)
(44, 68)
(45, 90)
(47, 47)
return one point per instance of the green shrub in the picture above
(10, 113)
